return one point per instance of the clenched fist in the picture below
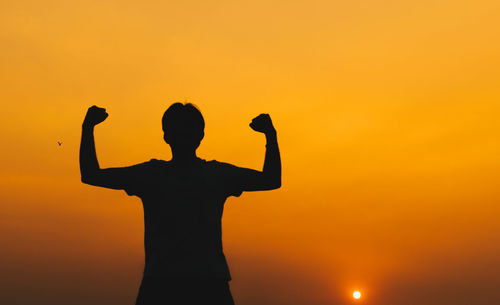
(263, 123)
(95, 115)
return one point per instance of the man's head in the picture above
(183, 126)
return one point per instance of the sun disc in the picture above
(356, 295)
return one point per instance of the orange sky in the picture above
(387, 118)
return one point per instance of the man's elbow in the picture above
(271, 182)
(275, 184)
(278, 185)
(88, 179)
(85, 179)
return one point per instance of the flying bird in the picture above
(60, 143)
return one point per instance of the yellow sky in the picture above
(387, 118)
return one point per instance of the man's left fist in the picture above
(263, 123)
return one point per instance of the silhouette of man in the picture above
(183, 200)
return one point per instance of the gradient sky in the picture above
(387, 115)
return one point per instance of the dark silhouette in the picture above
(183, 200)
(59, 143)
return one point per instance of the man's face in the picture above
(185, 138)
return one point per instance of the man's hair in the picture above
(183, 121)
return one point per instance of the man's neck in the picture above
(183, 157)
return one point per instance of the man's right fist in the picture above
(95, 115)
(263, 123)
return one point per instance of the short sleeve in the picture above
(232, 178)
(135, 178)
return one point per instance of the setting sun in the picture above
(356, 295)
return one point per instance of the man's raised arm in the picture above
(272, 162)
(89, 166)
(270, 177)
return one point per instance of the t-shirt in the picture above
(182, 215)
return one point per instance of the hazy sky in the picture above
(388, 121)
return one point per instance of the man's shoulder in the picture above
(222, 168)
(219, 164)
(152, 163)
